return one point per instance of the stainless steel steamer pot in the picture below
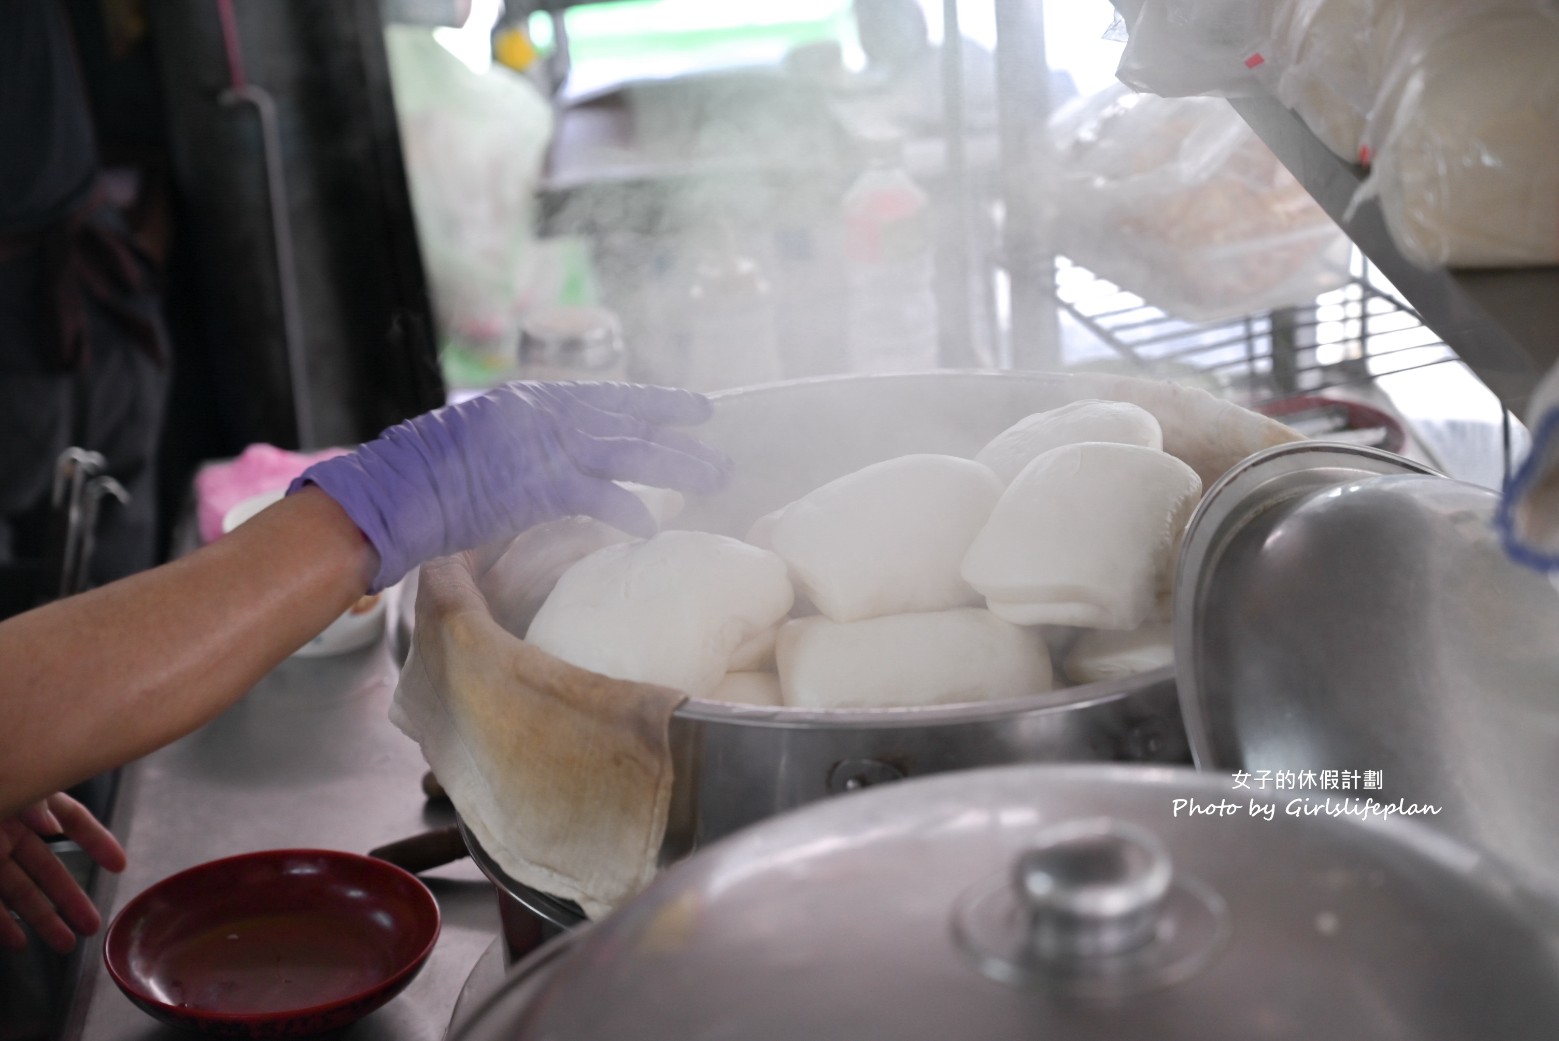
(736, 765)
(1074, 903)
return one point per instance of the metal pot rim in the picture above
(565, 914)
(783, 718)
(787, 386)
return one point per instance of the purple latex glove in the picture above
(521, 454)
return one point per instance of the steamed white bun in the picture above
(1111, 654)
(1088, 420)
(756, 653)
(671, 610)
(1084, 536)
(747, 688)
(887, 539)
(933, 658)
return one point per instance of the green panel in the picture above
(637, 29)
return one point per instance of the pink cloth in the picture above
(261, 468)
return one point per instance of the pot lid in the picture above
(1347, 615)
(1077, 902)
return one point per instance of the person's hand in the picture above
(521, 454)
(37, 886)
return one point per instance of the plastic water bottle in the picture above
(892, 324)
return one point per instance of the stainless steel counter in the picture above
(308, 758)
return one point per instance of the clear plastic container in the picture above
(571, 343)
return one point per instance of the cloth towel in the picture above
(563, 775)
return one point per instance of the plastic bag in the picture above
(1189, 48)
(473, 146)
(1454, 104)
(1177, 201)
(1464, 132)
(1320, 61)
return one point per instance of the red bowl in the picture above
(1349, 414)
(280, 943)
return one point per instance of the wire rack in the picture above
(1349, 336)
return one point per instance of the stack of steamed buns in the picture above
(919, 580)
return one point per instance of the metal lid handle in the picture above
(1092, 888)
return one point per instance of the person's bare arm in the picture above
(99, 679)
(96, 680)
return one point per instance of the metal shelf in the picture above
(1350, 336)
(1502, 323)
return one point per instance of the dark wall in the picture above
(364, 319)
